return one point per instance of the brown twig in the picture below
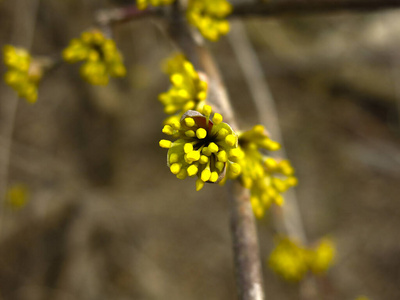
(288, 218)
(301, 7)
(267, 115)
(243, 227)
(107, 17)
(245, 245)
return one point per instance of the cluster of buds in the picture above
(209, 17)
(204, 146)
(209, 149)
(23, 73)
(292, 261)
(188, 90)
(101, 56)
(142, 4)
(266, 177)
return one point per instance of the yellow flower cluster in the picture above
(203, 146)
(289, 260)
(101, 56)
(17, 196)
(266, 177)
(22, 74)
(188, 91)
(142, 4)
(292, 261)
(209, 17)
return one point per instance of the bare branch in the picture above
(267, 114)
(288, 218)
(245, 245)
(107, 17)
(243, 227)
(292, 7)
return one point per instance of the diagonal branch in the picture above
(243, 227)
(267, 115)
(245, 245)
(288, 218)
(107, 17)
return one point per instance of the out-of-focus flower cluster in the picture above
(100, 55)
(23, 75)
(209, 17)
(266, 177)
(292, 261)
(203, 146)
(187, 92)
(142, 4)
(17, 196)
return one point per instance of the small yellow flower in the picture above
(288, 260)
(266, 177)
(209, 17)
(188, 91)
(100, 55)
(292, 261)
(322, 257)
(142, 4)
(17, 196)
(23, 73)
(203, 147)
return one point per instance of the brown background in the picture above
(107, 220)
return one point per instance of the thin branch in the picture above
(267, 114)
(243, 227)
(107, 17)
(300, 7)
(288, 218)
(245, 245)
(218, 95)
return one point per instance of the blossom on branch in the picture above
(204, 146)
(188, 91)
(292, 261)
(100, 55)
(322, 256)
(266, 177)
(23, 73)
(288, 260)
(208, 16)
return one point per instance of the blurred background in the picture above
(105, 218)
